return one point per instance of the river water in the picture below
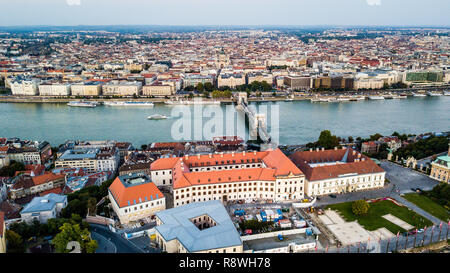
(298, 122)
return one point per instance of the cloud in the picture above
(373, 2)
(73, 2)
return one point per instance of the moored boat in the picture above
(128, 103)
(157, 116)
(376, 98)
(88, 104)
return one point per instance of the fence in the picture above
(431, 235)
(273, 234)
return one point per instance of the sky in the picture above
(225, 12)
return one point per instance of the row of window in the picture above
(153, 204)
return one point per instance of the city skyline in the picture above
(229, 13)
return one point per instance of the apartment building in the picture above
(24, 88)
(268, 175)
(369, 83)
(298, 82)
(195, 79)
(203, 227)
(92, 159)
(43, 208)
(133, 197)
(259, 77)
(122, 88)
(86, 89)
(338, 171)
(25, 155)
(26, 185)
(231, 80)
(54, 89)
(158, 89)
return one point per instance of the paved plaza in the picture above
(399, 222)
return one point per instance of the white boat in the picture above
(376, 98)
(343, 99)
(320, 100)
(419, 95)
(129, 103)
(157, 116)
(192, 102)
(83, 104)
(446, 93)
(434, 94)
(402, 97)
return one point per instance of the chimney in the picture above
(254, 152)
(323, 149)
(335, 148)
(243, 153)
(232, 154)
(198, 156)
(187, 157)
(210, 155)
(359, 155)
(362, 159)
(221, 154)
(310, 149)
(354, 152)
(317, 149)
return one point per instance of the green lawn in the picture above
(373, 220)
(428, 205)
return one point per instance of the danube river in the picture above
(300, 122)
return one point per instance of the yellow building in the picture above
(134, 197)
(440, 168)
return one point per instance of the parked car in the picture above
(420, 230)
(280, 237)
(414, 189)
(332, 196)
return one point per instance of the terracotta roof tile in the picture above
(126, 196)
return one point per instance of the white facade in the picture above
(24, 88)
(344, 184)
(54, 90)
(122, 89)
(139, 211)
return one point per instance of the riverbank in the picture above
(295, 96)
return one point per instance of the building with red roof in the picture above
(338, 171)
(134, 197)
(268, 175)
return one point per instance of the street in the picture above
(115, 241)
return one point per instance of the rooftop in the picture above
(176, 224)
(44, 203)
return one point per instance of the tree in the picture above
(69, 233)
(327, 140)
(208, 86)
(375, 136)
(360, 207)
(15, 242)
(10, 170)
(350, 139)
(200, 87)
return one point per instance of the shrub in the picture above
(360, 207)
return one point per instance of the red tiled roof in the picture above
(363, 165)
(277, 164)
(122, 195)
